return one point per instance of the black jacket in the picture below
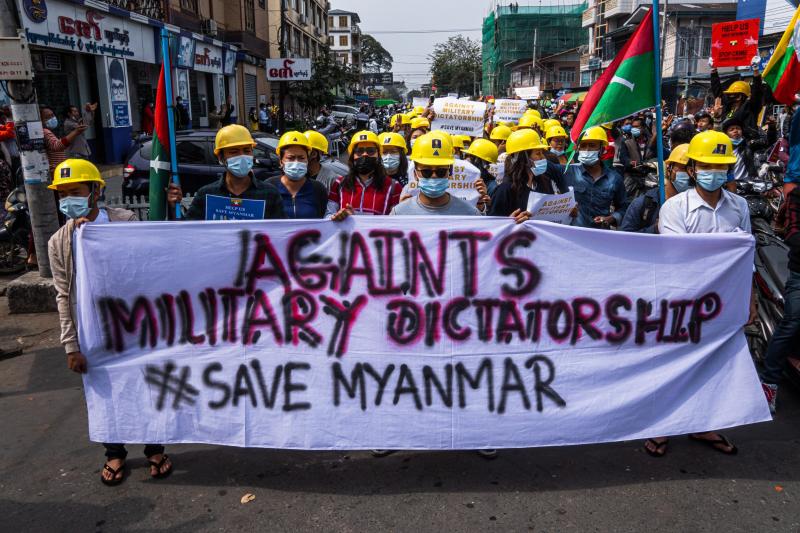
(747, 112)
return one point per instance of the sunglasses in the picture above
(370, 151)
(439, 172)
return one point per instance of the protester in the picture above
(460, 143)
(597, 188)
(215, 117)
(560, 147)
(181, 115)
(302, 197)
(252, 119)
(483, 153)
(703, 121)
(401, 124)
(366, 189)
(527, 170)
(55, 147)
(233, 147)
(677, 179)
(498, 136)
(394, 157)
(79, 148)
(319, 170)
(263, 119)
(419, 127)
(744, 149)
(741, 100)
(705, 208)
(79, 186)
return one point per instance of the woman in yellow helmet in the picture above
(394, 156)
(302, 197)
(79, 186)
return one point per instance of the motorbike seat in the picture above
(775, 257)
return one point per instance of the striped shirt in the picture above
(364, 198)
(55, 148)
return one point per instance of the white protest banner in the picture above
(452, 95)
(506, 110)
(444, 333)
(527, 93)
(462, 181)
(459, 116)
(420, 101)
(551, 207)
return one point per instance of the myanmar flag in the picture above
(159, 162)
(626, 86)
(783, 70)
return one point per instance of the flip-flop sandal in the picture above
(158, 465)
(660, 448)
(713, 443)
(114, 479)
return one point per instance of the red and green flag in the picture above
(627, 85)
(160, 159)
(783, 70)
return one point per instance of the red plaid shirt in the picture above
(366, 200)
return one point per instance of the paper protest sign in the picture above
(420, 101)
(735, 43)
(551, 207)
(228, 208)
(507, 110)
(441, 333)
(459, 116)
(462, 181)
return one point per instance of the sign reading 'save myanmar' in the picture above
(460, 117)
(411, 333)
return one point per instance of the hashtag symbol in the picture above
(168, 384)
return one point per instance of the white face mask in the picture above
(588, 157)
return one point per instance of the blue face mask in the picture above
(295, 170)
(539, 167)
(681, 181)
(588, 157)
(433, 187)
(711, 180)
(391, 162)
(52, 123)
(736, 142)
(557, 152)
(626, 128)
(239, 165)
(74, 206)
(636, 132)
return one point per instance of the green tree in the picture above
(456, 65)
(374, 57)
(328, 74)
(414, 93)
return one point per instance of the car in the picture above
(197, 164)
(344, 112)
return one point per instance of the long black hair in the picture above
(379, 177)
(517, 168)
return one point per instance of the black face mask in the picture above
(365, 164)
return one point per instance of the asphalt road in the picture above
(49, 475)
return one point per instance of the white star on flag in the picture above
(157, 164)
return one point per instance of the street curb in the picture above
(31, 293)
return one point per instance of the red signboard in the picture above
(733, 44)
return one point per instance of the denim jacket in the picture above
(595, 198)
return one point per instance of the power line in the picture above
(422, 31)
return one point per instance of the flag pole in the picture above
(659, 119)
(173, 156)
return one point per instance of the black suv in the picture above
(197, 164)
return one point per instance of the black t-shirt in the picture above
(258, 190)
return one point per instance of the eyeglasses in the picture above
(441, 172)
(369, 150)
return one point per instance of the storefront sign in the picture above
(207, 58)
(15, 61)
(185, 57)
(118, 91)
(75, 28)
(230, 62)
(296, 69)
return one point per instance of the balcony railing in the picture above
(149, 8)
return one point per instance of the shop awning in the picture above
(565, 97)
(582, 96)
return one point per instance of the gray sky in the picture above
(410, 50)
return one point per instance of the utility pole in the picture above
(533, 59)
(282, 84)
(35, 169)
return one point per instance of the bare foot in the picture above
(115, 464)
(165, 467)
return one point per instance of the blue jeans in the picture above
(786, 333)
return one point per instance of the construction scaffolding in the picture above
(512, 33)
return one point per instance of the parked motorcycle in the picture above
(14, 233)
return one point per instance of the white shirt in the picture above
(687, 212)
(102, 217)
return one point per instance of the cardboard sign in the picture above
(734, 44)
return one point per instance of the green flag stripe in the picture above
(620, 100)
(773, 77)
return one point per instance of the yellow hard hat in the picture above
(483, 149)
(555, 131)
(433, 149)
(524, 140)
(418, 111)
(533, 112)
(712, 147)
(76, 171)
(420, 122)
(364, 136)
(233, 136)
(399, 119)
(679, 154)
(317, 140)
(549, 123)
(461, 141)
(444, 135)
(393, 139)
(595, 134)
(738, 87)
(528, 121)
(500, 133)
(290, 138)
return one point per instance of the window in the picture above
(566, 75)
(306, 46)
(191, 152)
(189, 5)
(330, 40)
(343, 40)
(249, 16)
(330, 22)
(302, 8)
(342, 22)
(297, 41)
(692, 44)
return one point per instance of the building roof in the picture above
(343, 12)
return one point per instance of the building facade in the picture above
(344, 37)
(552, 73)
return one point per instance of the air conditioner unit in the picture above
(210, 27)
